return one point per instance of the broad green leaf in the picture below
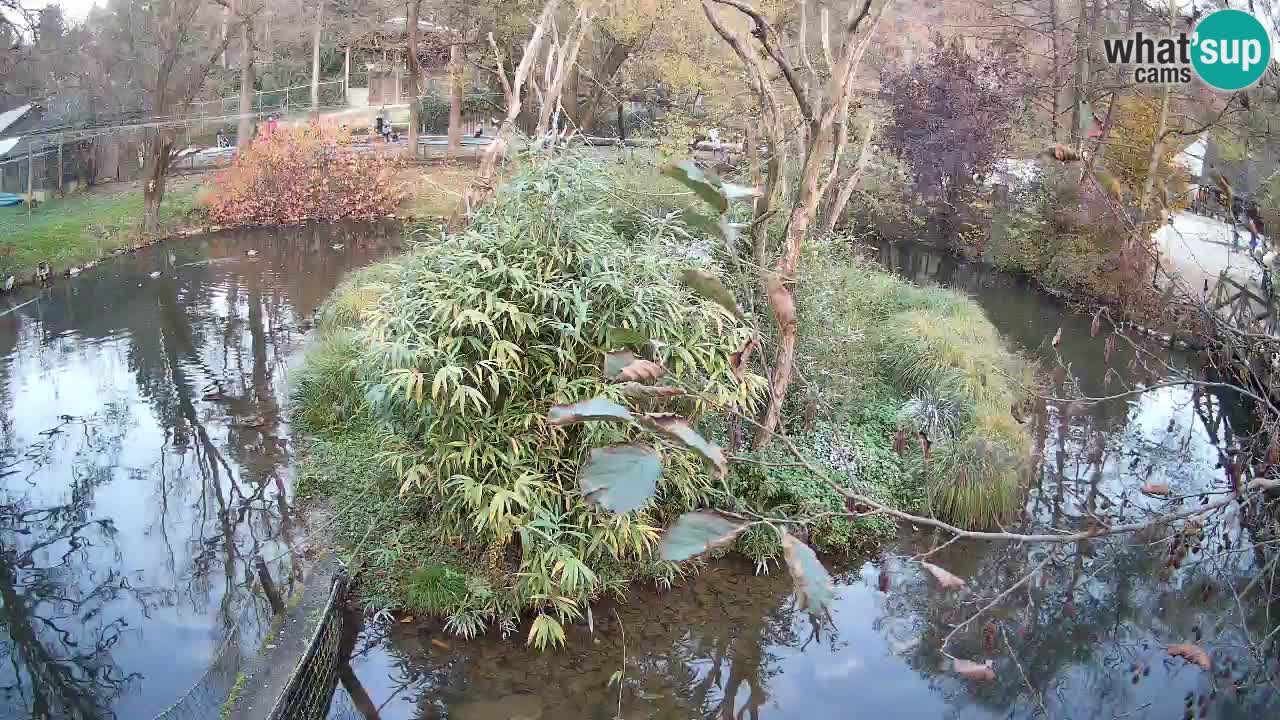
(703, 182)
(675, 428)
(620, 478)
(814, 589)
(597, 408)
(624, 365)
(710, 287)
(626, 337)
(637, 390)
(697, 532)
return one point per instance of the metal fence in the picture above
(310, 688)
(41, 166)
(289, 99)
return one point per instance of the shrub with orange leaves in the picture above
(305, 173)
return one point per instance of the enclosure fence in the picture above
(310, 688)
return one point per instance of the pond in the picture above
(144, 462)
(1085, 636)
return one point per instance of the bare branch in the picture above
(768, 38)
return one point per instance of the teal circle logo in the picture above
(1231, 50)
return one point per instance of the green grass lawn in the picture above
(77, 229)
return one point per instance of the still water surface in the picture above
(1085, 638)
(146, 457)
(144, 461)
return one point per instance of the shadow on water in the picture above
(144, 462)
(1084, 637)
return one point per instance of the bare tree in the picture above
(248, 50)
(182, 45)
(818, 112)
(482, 189)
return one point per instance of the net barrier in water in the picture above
(309, 690)
(205, 699)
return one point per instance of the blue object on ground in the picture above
(9, 199)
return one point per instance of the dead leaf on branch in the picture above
(676, 429)
(624, 365)
(740, 360)
(970, 670)
(944, 577)
(1062, 153)
(1191, 653)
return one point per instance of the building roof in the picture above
(12, 116)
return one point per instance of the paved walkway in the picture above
(1200, 249)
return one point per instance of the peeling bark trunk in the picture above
(565, 59)
(482, 189)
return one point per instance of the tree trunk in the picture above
(456, 90)
(244, 133)
(315, 60)
(1056, 58)
(483, 187)
(846, 185)
(622, 125)
(572, 108)
(159, 147)
(414, 101)
(1081, 117)
(568, 55)
(613, 61)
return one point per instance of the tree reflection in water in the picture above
(127, 536)
(1085, 637)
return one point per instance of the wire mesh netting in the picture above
(204, 701)
(310, 688)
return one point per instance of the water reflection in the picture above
(145, 462)
(1083, 635)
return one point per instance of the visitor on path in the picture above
(222, 140)
(272, 125)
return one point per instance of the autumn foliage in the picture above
(305, 173)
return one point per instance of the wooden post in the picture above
(346, 73)
(61, 190)
(31, 176)
(268, 585)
